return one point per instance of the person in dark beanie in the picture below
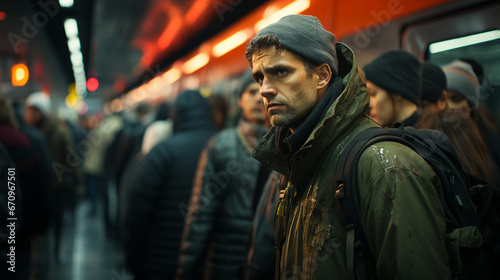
(317, 102)
(434, 92)
(220, 212)
(463, 132)
(394, 84)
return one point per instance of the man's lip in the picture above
(271, 106)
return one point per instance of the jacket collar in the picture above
(341, 116)
(413, 119)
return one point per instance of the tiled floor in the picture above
(86, 252)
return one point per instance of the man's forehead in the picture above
(271, 57)
(265, 53)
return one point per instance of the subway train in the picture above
(96, 58)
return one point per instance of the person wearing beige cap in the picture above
(66, 175)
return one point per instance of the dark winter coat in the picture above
(160, 185)
(220, 211)
(261, 251)
(65, 160)
(32, 203)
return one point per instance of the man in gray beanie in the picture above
(317, 102)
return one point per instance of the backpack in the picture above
(470, 205)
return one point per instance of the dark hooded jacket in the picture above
(220, 211)
(32, 171)
(400, 197)
(160, 184)
(65, 160)
(6, 165)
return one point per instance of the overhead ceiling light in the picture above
(78, 69)
(66, 3)
(464, 41)
(172, 75)
(295, 7)
(116, 105)
(74, 44)
(230, 43)
(76, 58)
(71, 27)
(195, 63)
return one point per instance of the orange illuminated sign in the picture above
(19, 74)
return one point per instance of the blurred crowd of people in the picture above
(192, 201)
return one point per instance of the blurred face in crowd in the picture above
(33, 116)
(428, 106)
(289, 92)
(251, 104)
(458, 101)
(381, 105)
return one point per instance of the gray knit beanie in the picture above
(306, 37)
(461, 78)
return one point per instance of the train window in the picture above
(483, 47)
(474, 30)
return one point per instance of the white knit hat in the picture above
(39, 100)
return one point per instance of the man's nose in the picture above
(267, 89)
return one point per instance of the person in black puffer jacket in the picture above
(161, 182)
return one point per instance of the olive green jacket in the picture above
(399, 194)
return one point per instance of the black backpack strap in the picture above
(346, 194)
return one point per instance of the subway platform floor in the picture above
(86, 252)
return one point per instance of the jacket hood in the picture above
(343, 115)
(192, 111)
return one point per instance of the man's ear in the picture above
(324, 73)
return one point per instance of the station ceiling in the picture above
(123, 42)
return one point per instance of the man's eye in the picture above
(281, 72)
(254, 91)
